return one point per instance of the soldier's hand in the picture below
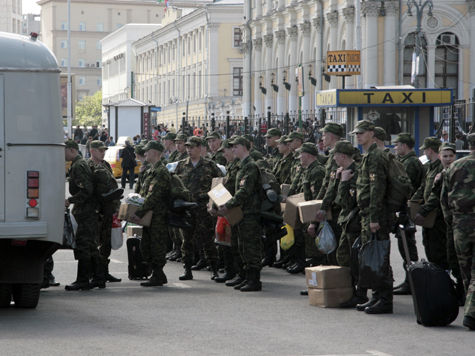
(134, 218)
(346, 175)
(312, 230)
(223, 210)
(374, 227)
(321, 215)
(338, 172)
(419, 219)
(437, 177)
(66, 203)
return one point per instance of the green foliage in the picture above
(88, 111)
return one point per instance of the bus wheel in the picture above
(26, 295)
(5, 295)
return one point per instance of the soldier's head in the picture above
(272, 136)
(71, 150)
(403, 144)
(180, 142)
(364, 131)
(379, 136)
(140, 152)
(447, 153)
(98, 150)
(241, 147)
(308, 154)
(193, 147)
(282, 145)
(343, 153)
(295, 140)
(227, 150)
(169, 141)
(204, 147)
(153, 151)
(214, 141)
(431, 148)
(331, 134)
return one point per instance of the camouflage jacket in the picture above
(173, 157)
(346, 195)
(433, 201)
(329, 187)
(273, 157)
(218, 158)
(283, 168)
(232, 169)
(81, 186)
(425, 188)
(414, 168)
(459, 184)
(103, 180)
(247, 188)
(198, 179)
(371, 184)
(144, 171)
(312, 180)
(297, 180)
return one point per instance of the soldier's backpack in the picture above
(399, 187)
(104, 183)
(178, 191)
(270, 192)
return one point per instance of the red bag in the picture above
(116, 222)
(223, 232)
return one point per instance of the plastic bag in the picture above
(354, 263)
(69, 234)
(325, 240)
(288, 240)
(116, 233)
(373, 263)
(222, 232)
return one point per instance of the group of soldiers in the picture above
(353, 188)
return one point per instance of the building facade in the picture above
(31, 23)
(11, 16)
(91, 21)
(193, 64)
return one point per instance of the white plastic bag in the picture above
(74, 223)
(116, 233)
(325, 240)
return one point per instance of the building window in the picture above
(82, 44)
(409, 46)
(100, 27)
(82, 26)
(200, 35)
(99, 82)
(81, 63)
(82, 81)
(64, 25)
(237, 81)
(98, 45)
(64, 62)
(119, 25)
(446, 62)
(237, 37)
(64, 44)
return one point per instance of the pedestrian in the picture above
(128, 165)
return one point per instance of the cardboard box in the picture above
(219, 195)
(134, 230)
(291, 212)
(329, 298)
(127, 210)
(429, 220)
(328, 277)
(284, 190)
(308, 210)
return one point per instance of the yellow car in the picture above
(112, 156)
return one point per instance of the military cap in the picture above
(273, 132)
(406, 138)
(154, 145)
(431, 142)
(139, 149)
(181, 137)
(310, 148)
(363, 126)
(380, 133)
(344, 147)
(333, 128)
(471, 140)
(143, 142)
(224, 144)
(194, 141)
(282, 139)
(214, 134)
(448, 146)
(249, 137)
(294, 135)
(71, 144)
(98, 144)
(170, 136)
(239, 140)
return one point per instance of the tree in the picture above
(88, 111)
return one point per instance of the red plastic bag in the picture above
(222, 232)
(116, 222)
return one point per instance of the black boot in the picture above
(253, 281)
(187, 275)
(199, 265)
(358, 298)
(374, 299)
(99, 273)
(304, 292)
(228, 275)
(297, 267)
(281, 262)
(384, 305)
(238, 279)
(214, 270)
(82, 279)
(469, 322)
(155, 280)
(243, 280)
(459, 290)
(52, 281)
(110, 277)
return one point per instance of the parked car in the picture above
(112, 156)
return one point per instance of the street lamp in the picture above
(419, 8)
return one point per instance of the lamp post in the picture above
(418, 6)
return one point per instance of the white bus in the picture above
(31, 166)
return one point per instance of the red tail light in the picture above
(32, 194)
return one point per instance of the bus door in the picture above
(2, 150)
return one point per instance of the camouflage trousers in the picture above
(250, 242)
(464, 238)
(202, 232)
(153, 244)
(86, 236)
(435, 242)
(104, 228)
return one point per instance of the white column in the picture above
(281, 4)
(318, 22)
(306, 100)
(280, 35)
(370, 53)
(332, 18)
(212, 57)
(472, 46)
(390, 42)
(268, 40)
(257, 9)
(293, 93)
(349, 15)
(431, 66)
(257, 73)
(269, 7)
(246, 95)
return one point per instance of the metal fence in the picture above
(456, 120)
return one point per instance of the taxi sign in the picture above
(343, 62)
(326, 98)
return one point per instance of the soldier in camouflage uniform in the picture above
(434, 239)
(214, 143)
(283, 166)
(104, 182)
(153, 244)
(371, 189)
(247, 196)
(140, 156)
(273, 154)
(459, 184)
(379, 138)
(404, 147)
(197, 173)
(170, 147)
(180, 141)
(81, 188)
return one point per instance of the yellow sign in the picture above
(394, 97)
(326, 98)
(343, 62)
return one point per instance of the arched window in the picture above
(446, 62)
(409, 47)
